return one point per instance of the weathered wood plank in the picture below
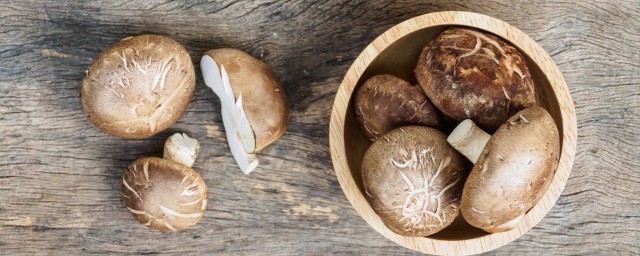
(60, 177)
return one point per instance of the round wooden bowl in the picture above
(396, 52)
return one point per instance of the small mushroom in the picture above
(513, 168)
(469, 74)
(385, 102)
(166, 194)
(138, 86)
(413, 180)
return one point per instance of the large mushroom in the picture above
(253, 103)
(385, 102)
(413, 180)
(513, 167)
(469, 74)
(166, 194)
(138, 86)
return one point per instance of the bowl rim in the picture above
(504, 30)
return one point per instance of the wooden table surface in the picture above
(60, 177)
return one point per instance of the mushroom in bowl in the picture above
(413, 180)
(513, 167)
(469, 74)
(385, 102)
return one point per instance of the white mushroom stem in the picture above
(240, 136)
(246, 161)
(181, 148)
(469, 139)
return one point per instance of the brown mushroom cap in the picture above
(263, 98)
(138, 86)
(385, 102)
(513, 171)
(163, 194)
(469, 74)
(413, 180)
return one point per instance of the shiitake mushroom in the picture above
(513, 167)
(138, 86)
(385, 102)
(413, 180)
(253, 103)
(166, 194)
(469, 74)
(263, 98)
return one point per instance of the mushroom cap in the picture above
(263, 97)
(138, 86)
(474, 75)
(413, 179)
(385, 102)
(164, 195)
(513, 172)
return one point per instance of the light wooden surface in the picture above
(396, 52)
(60, 177)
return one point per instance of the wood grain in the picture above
(60, 177)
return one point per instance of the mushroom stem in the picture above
(246, 161)
(469, 139)
(181, 148)
(240, 136)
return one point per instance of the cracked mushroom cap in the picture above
(138, 86)
(513, 172)
(469, 74)
(264, 100)
(164, 195)
(385, 102)
(413, 180)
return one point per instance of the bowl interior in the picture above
(399, 59)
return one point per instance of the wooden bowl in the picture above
(396, 52)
